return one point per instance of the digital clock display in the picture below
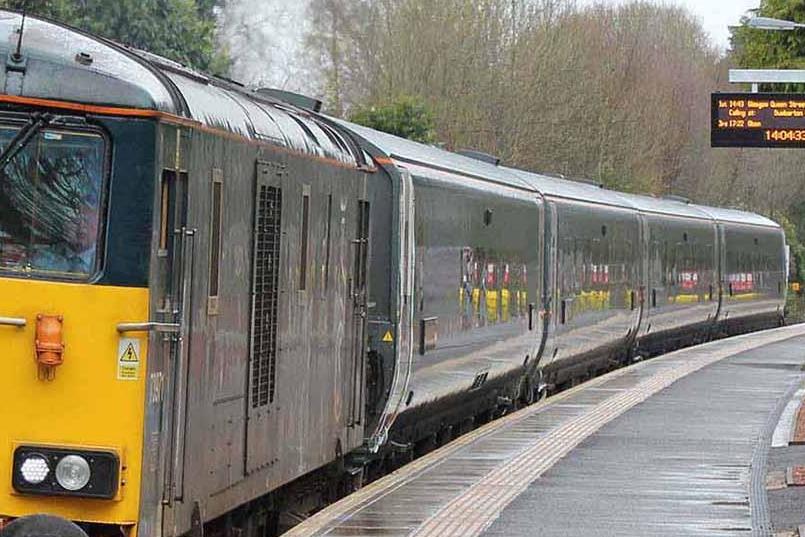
(758, 120)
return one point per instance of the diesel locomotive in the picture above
(219, 304)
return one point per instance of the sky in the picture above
(716, 15)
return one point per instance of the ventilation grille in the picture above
(265, 291)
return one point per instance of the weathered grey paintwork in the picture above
(208, 446)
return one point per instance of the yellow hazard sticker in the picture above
(388, 338)
(128, 359)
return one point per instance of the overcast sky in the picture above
(716, 15)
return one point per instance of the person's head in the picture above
(87, 224)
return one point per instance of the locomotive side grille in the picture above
(265, 292)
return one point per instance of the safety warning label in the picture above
(388, 338)
(128, 359)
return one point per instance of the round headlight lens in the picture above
(34, 469)
(73, 472)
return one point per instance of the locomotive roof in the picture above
(65, 64)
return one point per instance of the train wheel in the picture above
(261, 523)
(39, 525)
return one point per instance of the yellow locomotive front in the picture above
(72, 384)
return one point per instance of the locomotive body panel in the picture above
(275, 305)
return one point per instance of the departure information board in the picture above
(758, 120)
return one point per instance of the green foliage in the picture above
(404, 116)
(793, 232)
(183, 30)
(794, 226)
(763, 49)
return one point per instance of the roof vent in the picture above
(84, 58)
(680, 199)
(478, 155)
(294, 99)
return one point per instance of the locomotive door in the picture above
(176, 252)
(357, 307)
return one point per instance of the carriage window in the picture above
(215, 240)
(305, 231)
(51, 195)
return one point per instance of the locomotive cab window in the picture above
(51, 202)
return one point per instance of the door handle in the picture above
(16, 322)
(164, 328)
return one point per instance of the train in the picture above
(221, 308)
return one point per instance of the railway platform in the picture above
(708, 440)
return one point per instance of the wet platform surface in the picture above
(697, 442)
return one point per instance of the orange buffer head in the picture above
(49, 341)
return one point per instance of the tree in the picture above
(754, 48)
(182, 30)
(404, 116)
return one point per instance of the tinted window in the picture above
(50, 204)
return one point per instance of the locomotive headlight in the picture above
(57, 471)
(73, 472)
(34, 469)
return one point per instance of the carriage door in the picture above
(721, 271)
(641, 278)
(551, 307)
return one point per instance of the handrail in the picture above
(16, 322)
(170, 328)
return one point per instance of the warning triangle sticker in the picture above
(388, 338)
(130, 354)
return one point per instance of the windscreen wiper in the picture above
(23, 138)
